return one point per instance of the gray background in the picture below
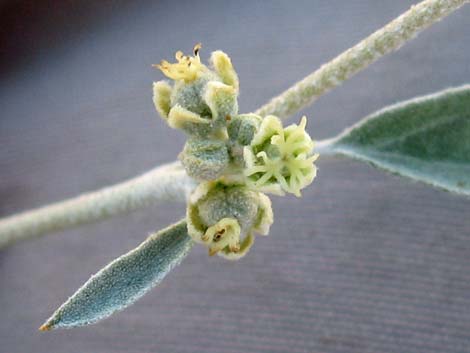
(364, 262)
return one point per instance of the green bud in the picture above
(243, 127)
(220, 215)
(241, 130)
(204, 159)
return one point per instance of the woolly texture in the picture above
(201, 100)
(219, 215)
(124, 280)
(205, 159)
(391, 37)
(385, 40)
(426, 139)
(166, 183)
(241, 130)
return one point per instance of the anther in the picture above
(196, 49)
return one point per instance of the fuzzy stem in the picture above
(384, 41)
(324, 147)
(165, 183)
(170, 182)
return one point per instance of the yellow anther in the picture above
(186, 68)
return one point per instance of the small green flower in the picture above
(202, 99)
(280, 159)
(225, 216)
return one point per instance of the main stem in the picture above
(170, 182)
(385, 40)
(165, 183)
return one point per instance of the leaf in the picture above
(124, 280)
(426, 139)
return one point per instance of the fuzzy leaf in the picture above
(426, 139)
(124, 280)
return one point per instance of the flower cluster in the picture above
(236, 157)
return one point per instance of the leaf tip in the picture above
(46, 327)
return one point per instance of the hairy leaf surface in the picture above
(426, 139)
(124, 280)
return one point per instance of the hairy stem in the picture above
(384, 41)
(166, 183)
(169, 182)
(324, 147)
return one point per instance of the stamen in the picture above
(196, 49)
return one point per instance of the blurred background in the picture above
(364, 262)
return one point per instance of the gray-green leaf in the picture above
(124, 280)
(426, 139)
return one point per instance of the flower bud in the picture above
(243, 127)
(224, 217)
(241, 130)
(204, 159)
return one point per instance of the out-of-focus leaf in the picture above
(426, 139)
(124, 280)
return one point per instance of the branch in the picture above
(384, 41)
(170, 182)
(166, 183)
